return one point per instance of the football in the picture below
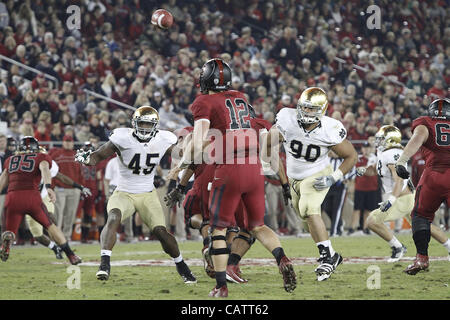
(162, 18)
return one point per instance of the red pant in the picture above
(233, 183)
(196, 200)
(433, 189)
(18, 203)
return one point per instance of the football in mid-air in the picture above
(162, 18)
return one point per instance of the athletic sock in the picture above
(278, 253)
(221, 279)
(51, 245)
(206, 241)
(66, 248)
(421, 240)
(105, 253)
(447, 245)
(172, 229)
(394, 243)
(234, 259)
(178, 259)
(326, 244)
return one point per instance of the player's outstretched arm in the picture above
(67, 180)
(47, 179)
(418, 138)
(4, 179)
(271, 144)
(92, 158)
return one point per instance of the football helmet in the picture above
(388, 137)
(145, 120)
(28, 144)
(314, 99)
(215, 75)
(439, 108)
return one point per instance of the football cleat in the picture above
(58, 252)
(287, 270)
(7, 238)
(221, 292)
(185, 273)
(103, 271)
(233, 274)
(397, 254)
(74, 259)
(208, 263)
(421, 263)
(327, 266)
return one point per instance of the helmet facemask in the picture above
(145, 128)
(309, 114)
(311, 105)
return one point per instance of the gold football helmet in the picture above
(388, 137)
(145, 120)
(312, 105)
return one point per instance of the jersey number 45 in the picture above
(135, 163)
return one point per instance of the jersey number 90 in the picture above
(310, 156)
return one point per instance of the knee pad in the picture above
(250, 240)
(420, 223)
(218, 251)
(204, 224)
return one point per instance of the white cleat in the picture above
(397, 254)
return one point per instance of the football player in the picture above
(398, 194)
(308, 135)
(432, 134)
(237, 173)
(22, 174)
(35, 228)
(140, 150)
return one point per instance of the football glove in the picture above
(401, 170)
(286, 193)
(323, 182)
(360, 171)
(385, 205)
(86, 192)
(175, 196)
(83, 156)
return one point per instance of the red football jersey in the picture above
(23, 170)
(228, 112)
(67, 165)
(436, 149)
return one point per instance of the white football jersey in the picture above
(137, 160)
(112, 171)
(53, 172)
(385, 158)
(307, 152)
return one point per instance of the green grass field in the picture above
(32, 272)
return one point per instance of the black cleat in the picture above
(327, 266)
(397, 254)
(104, 269)
(58, 252)
(185, 273)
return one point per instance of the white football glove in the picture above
(86, 192)
(323, 182)
(385, 205)
(360, 171)
(83, 156)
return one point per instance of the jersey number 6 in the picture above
(135, 163)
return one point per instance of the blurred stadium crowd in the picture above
(275, 48)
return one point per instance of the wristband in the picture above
(76, 185)
(181, 188)
(48, 186)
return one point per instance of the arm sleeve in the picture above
(281, 123)
(54, 169)
(336, 133)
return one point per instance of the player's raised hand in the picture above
(51, 195)
(83, 156)
(323, 182)
(361, 171)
